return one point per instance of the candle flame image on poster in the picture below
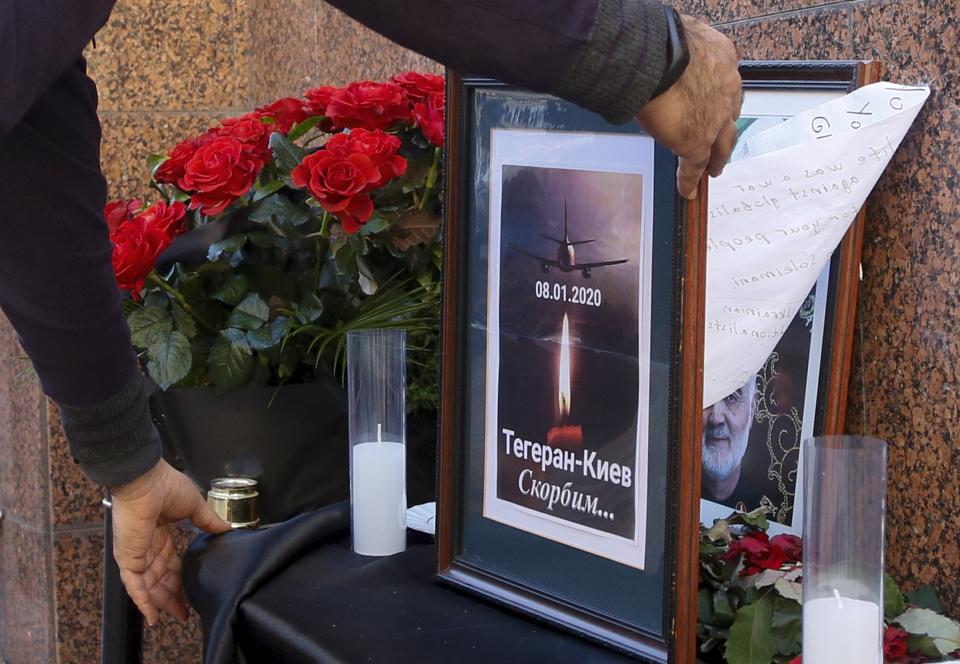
(567, 342)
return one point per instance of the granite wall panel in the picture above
(171, 55)
(26, 603)
(78, 575)
(24, 479)
(910, 298)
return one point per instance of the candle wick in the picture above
(836, 593)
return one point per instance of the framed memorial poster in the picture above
(752, 438)
(571, 380)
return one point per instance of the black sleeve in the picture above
(39, 39)
(605, 55)
(57, 285)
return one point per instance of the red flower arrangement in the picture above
(335, 195)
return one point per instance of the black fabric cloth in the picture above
(297, 593)
(56, 279)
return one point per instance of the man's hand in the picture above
(696, 117)
(143, 540)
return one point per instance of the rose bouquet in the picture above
(750, 605)
(278, 231)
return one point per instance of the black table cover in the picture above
(297, 593)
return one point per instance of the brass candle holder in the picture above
(234, 499)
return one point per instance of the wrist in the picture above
(139, 486)
(678, 54)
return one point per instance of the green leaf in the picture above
(154, 161)
(757, 518)
(149, 325)
(944, 632)
(286, 154)
(893, 602)
(720, 531)
(923, 645)
(170, 359)
(375, 224)
(250, 314)
(184, 321)
(346, 259)
(303, 127)
(281, 208)
(923, 597)
(225, 248)
(232, 292)
(786, 626)
(705, 606)
(722, 609)
(261, 191)
(415, 227)
(268, 335)
(789, 589)
(750, 639)
(231, 360)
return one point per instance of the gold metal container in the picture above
(234, 499)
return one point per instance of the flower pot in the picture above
(296, 448)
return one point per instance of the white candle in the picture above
(840, 630)
(378, 498)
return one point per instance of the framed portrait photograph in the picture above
(571, 371)
(752, 438)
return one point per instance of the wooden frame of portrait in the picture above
(776, 90)
(628, 582)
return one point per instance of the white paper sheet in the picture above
(776, 216)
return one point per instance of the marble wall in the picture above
(168, 68)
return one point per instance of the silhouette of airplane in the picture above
(566, 260)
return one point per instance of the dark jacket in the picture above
(56, 280)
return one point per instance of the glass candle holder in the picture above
(376, 384)
(845, 488)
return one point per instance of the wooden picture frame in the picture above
(814, 357)
(544, 567)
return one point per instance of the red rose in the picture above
(429, 117)
(136, 246)
(894, 642)
(380, 146)
(796, 660)
(319, 98)
(170, 171)
(219, 173)
(757, 553)
(285, 113)
(249, 130)
(119, 211)
(168, 218)
(368, 105)
(340, 184)
(419, 86)
(791, 545)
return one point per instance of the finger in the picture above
(204, 518)
(689, 173)
(138, 593)
(176, 604)
(722, 148)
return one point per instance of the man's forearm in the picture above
(605, 55)
(39, 39)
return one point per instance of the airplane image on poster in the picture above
(566, 260)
